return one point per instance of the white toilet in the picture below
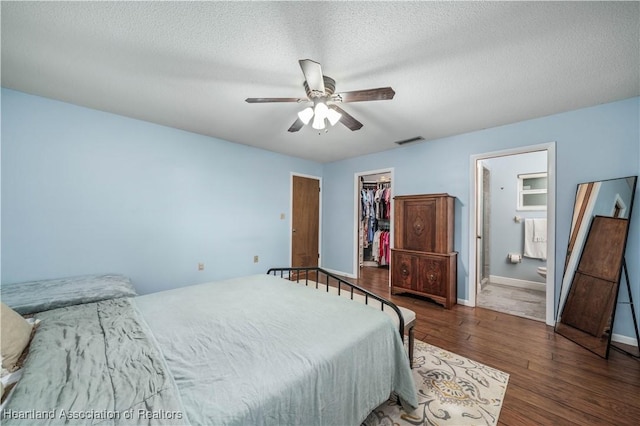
(542, 271)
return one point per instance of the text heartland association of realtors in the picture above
(92, 414)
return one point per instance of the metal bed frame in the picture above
(323, 278)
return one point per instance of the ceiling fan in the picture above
(320, 90)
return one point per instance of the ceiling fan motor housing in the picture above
(329, 88)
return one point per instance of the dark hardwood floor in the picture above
(552, 380)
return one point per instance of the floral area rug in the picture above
(452, 390)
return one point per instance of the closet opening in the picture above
(374, 200)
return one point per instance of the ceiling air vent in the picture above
(415, 139)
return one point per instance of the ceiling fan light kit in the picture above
(320, 113)
(320, 90)
(333, 116)
(306, 115)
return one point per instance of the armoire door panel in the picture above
(431, 276)
(402, 273)
(419, 232)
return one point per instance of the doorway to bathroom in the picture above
(513, 230)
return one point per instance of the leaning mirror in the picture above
(595, 257)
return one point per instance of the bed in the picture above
(259, 349)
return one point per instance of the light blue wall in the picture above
(607, 196)
(594, 143)
(85, 191)
(506, 235)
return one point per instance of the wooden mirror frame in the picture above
(594, 262)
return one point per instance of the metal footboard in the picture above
(319, 277)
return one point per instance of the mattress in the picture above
(251, 350)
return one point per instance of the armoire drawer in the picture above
(426, 274)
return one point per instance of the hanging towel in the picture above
(540, 230)
(535, 240)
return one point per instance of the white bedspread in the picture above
(262, 350)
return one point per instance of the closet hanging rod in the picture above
(383, 182)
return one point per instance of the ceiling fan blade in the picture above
(264, 100)
(380, 94)
(347, 119)
(297, 125)
(313, 74)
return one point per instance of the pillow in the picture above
(9, 380)
(16, 334)
(44, 295)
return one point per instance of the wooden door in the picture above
(594, 288)
(305, 220)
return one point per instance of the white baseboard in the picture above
(513, 282)
(625, 340)
(344, 274)
(618, 338)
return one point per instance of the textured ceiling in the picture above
(456, 67)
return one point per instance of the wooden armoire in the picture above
(423, 261)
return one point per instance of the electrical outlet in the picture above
(200, 266)
(255, 259)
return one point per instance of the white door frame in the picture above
(550, 148)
